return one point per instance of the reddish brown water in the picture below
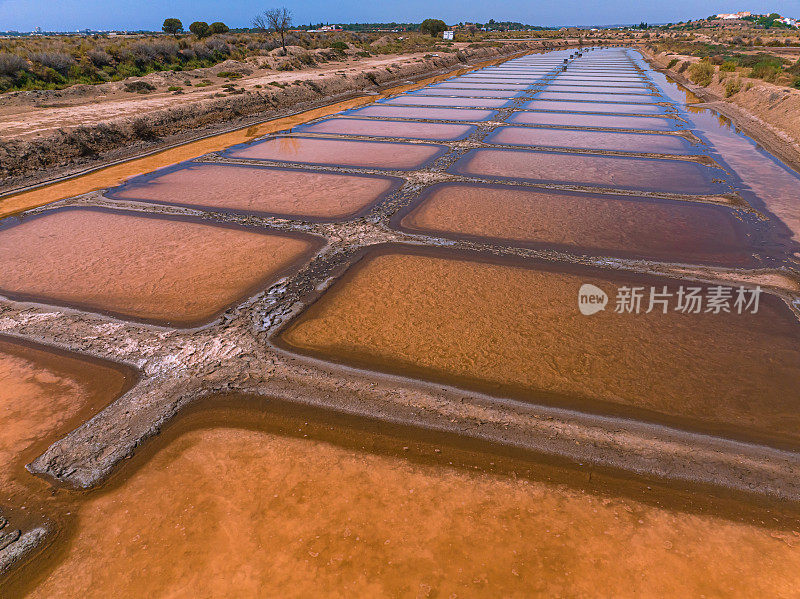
(245, 511)
(421, 112)
(43, 396)
(607, 107)
(593, 140)
(590, 120)
(368, 154)
(590, 97)
(304, 194)
(155, 269)
(605, 225)
(639, 174)
(409, 100)
(515, 330)
(375, 128)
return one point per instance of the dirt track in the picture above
(86, 128)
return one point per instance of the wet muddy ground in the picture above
(417, 263)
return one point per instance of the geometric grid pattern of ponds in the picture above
(403, 239)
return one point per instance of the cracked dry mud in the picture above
(731, 459)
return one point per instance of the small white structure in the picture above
(733, 16)
(447, 35)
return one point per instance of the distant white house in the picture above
(733, 16)
(788, 21)
(447, 35)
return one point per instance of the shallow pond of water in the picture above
(514, 329)
(593, 140)
(671, 231)
(591, 97)
(399, 129)
(604, 107)
(423, 112)
(409, 100)
(616, 172)
(249, 506)
(157, 269)
(342, 152)
(258, 190)
(569, 119)
(467, 93)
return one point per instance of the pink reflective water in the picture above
(372, 154)
(456, 84)
(409, 100)
(567, 119)
(432, 113)
(640, 174)
(593, 140)
(267, 190)
(598, 97)
(633, 92)
(375, 128)
(467, 93)
(607, 107)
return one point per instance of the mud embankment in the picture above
(768, 113)
(123, 137)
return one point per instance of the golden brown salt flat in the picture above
(634, 173)
(260, 190)
(593, 140)
(568, 119)
(632, 227)
(44, 395)
(402, 129)
(246, 513)
(369, 154)
(155, 269)
(516, 331)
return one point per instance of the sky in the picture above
(71, 15)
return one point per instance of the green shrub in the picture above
(728, 66)
(733, 86)
(139, 87)
(672, 63)
(174, 88)
(684, 65)
(701, 73)
(766, 71)
(339, 46)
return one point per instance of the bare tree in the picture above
(260, 23)
(279, 19)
